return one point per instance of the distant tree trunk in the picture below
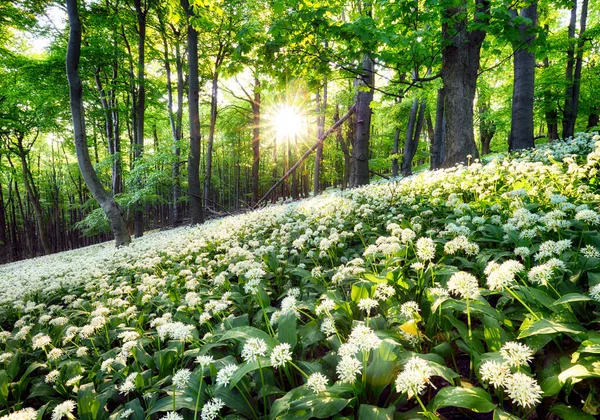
(574, 67)
(140, 107)
(593, 120)
(487, 127)
(211, 134)
(460, 64)
(395, 150)
(256, 117)
(321, 109)
(437, 146)
(194, 186)
(4, 248)
(105, 199)
(413, 132)
(359, 169)
(521, 130)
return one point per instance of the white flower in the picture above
(175, 331)
(347, 368)
(367, 304)
(414, 378)
(503, 275)
(52, 376)
(516, 354)
(522, 252)
(211, 409)
(384, 291)
(317, 382)
(325, 306)
(590, 251)
(409, 309)
(55, 354)
(64, 409)
(254, 347)
(328, 327)
(523, 390)
(494, 373)
(24, 414)
(126, 413)
(82, 351)
(40, 341)
(74, 380)
(204, 360)
(129, 384)
(224, 375)
(280, 355)
(181, 378)
(595, 292)
(588, 216)
(171, 415)
(425, 249)
(364, 338)
(464, 285)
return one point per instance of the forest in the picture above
(296, 209)
(430, 83)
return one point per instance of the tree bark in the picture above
(460, 65)
(321, 109)
(105, 199)
(575, 55)
(255, 141)
(140, 106)
(211, 134)
(395, 150)
(194, 186)
(521, 130)
(593, 120)
(4, 248)
(359, 170)
(437, 147)
(413, 132)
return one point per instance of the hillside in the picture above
(462, 291)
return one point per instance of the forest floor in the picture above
(471, 292)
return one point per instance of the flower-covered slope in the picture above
(450, 293)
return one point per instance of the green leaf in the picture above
(572, 297)
(546, 326)
(371, 412)
(242, 334)
(493, 333)
(247, 368)
(474, 399)
(566, 412)
(286, 333)
(3, 386)
(302, 404)
(503, 415)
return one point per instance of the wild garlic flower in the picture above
(590, 251)
(516, 354)
(409, 309)
(129, 384)
(588, 216)
(181, 378)
(425, 249)
(24, 414)
(82, 351)
(503, 275)
(211, 409)
(55, 354)
(347, 368)
(204, 360)
(64, 409)
(317, 382)
(364, 338)
(366, 304)
(224, 375)
(175, 331)
(523, 390)
(40, 341)
(414, 378)
(494, 373)
(254, 348)
(328, 326)
(464, 285)
(281, 355)
(74, 380)
(325, 306)
(52, 376)
(384, 291)
(522, 252)
(171, 415)
(595, 292)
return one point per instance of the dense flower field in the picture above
(466, 293)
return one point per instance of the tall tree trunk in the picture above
(568, 107)
(487, 127)
(413, 132)
(179, 131)
(395, 150)
(460, 64)
(521, 129)
(321, 109)
(255, 143)
(140, 106)
(439, 140)
(105, 199)
(194, 186)
(359, 170)
(211, 134)
(593, 119)
(4, 248)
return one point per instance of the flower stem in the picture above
(262, 379)
(470, 339)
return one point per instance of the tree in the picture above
(105, 199)
(460, 66)
(359, 167)
(521, 131)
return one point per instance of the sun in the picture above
(287, 121)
